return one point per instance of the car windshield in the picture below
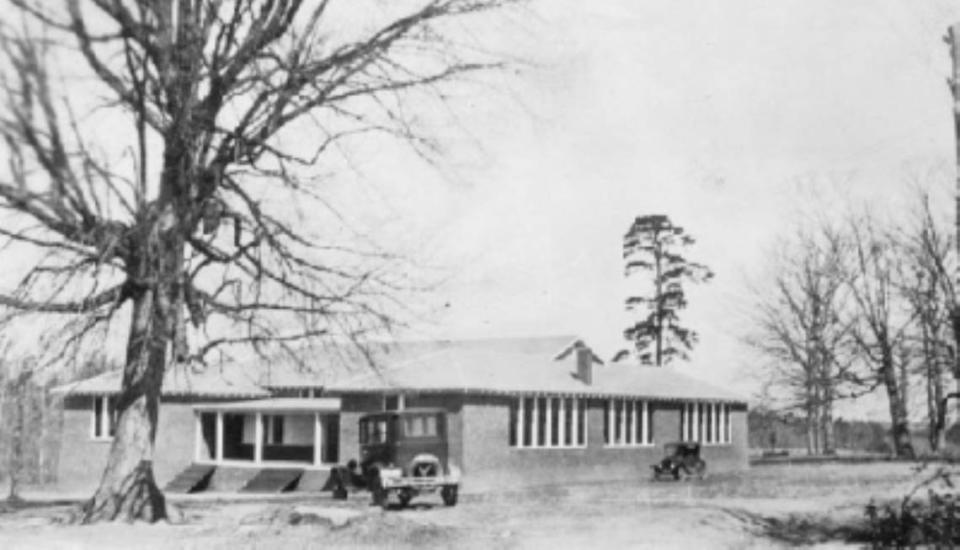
(420, 426)
(373, 430)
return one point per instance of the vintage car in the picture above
(404, 454)
(681, 459)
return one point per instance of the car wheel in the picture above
(404, 497)
(449, 494)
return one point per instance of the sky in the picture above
(732, 117)
(718, 114)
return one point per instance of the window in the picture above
(306, 393)
(373, 430)
(627, 422)
(708, 423)
(548, 422)
(393, 402)
(273, 429)
(104, 417)
(420, 426)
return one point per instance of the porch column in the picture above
(317, 439)
(197, 437)
(258, 438)
(218, 455)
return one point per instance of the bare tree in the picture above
(882, 332)
(928, 286)
(229, 106)
(802, 323)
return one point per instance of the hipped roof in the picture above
(527, 366)
(500, 372)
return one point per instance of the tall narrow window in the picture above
(627, 423)
(726, 424)
(547, 422)
(528, 422)
(104, 417)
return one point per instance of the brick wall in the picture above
(82, 458)
(490, 462)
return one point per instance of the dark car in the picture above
(681, 459)
(406, 453)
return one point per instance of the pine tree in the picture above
(652, 247)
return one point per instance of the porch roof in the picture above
(281, 404)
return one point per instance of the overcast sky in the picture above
(709, 112)
(712, 112)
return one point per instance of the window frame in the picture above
(540, 422)
(707, 423)
(627, 423)
(103, 422)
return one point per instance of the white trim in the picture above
(696, 422)
(618, 411)
(520, 421)
(534, 426)
(218, 438)
(534, 414)
(258, 437)
(197, 436)
(562, 421)
(105, 418)
(548, 416)
(575, 424)
(317, 440)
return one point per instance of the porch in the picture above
(268, 433)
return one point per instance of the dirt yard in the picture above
(767, 507)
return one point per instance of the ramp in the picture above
(195, 478)
(273, 480)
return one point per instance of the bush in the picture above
(930, 521)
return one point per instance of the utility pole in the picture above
(953, 40)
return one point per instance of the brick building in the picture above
(524, 411)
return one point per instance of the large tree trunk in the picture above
(899, 422)
(127, 490)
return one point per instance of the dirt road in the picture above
(765, 508)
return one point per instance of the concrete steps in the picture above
(273, 480)
(195, 478)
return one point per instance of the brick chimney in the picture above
(584, 363)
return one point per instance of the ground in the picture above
(766, 507)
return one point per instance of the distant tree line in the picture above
(859, 303)
(31, 421)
